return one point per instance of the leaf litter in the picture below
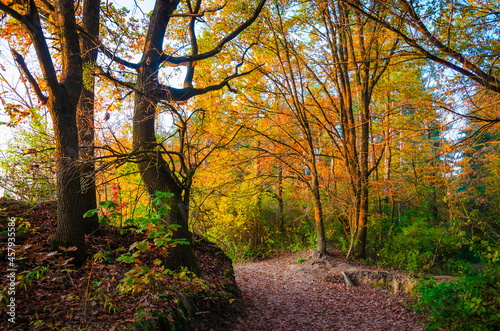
(278, 294)
(282, 294)
(52, 294)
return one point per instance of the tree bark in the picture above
(154, 170)
(318, 217)
(360, 242)
(64, 92)
(85, 112)
(70, 228)
(157, 177)
(281, 214)
(63, 104)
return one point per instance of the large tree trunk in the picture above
(85, 113)
(64, 95)
(154, 170)
(360, 242)
(157, 177)
(70, 227)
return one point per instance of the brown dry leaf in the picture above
(282, 297)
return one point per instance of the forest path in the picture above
(281, 294)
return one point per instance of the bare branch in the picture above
(110, 55)
(20, 60)
(15, 15)
(200, 14)
(469, 69)
(163, 92)
(188, 80)
(31, 21)
(121, 83)
(217, 49)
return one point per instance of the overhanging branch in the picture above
(469, 69)
(110, 55)
(201, 13)
(218, 48)
(163, 92)
(20, 61)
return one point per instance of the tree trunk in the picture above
(388, 132)
(181, 255)
(85, 113)
(70, 228)
(157, 177)
(379, 196)
(318, 217)
(64, 95)
(332, 173)
(281, 214)
(154, 170)
(360, 242)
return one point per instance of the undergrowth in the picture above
(472, 302)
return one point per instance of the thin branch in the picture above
(31, 21)
(200, 14)
(163, 92)
(15, 15)
(469, 69)
(20, 60)
(50, 7)
(217, 49)
(110, 55)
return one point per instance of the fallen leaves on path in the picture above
(281, 297)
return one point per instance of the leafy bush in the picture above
(413, 248)
(470, 303)
(159, 239)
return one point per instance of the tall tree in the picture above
(64, 90)
(150, 91)
(284, 119)
(85, 110)
(354, 55)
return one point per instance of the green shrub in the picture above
(470, 303)
(413, 248)
(248, 226)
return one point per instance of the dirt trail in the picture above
(281, 294)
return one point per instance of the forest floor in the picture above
(286, 293)
(50, 294)
(278, 294)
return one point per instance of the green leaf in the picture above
(90, 213)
